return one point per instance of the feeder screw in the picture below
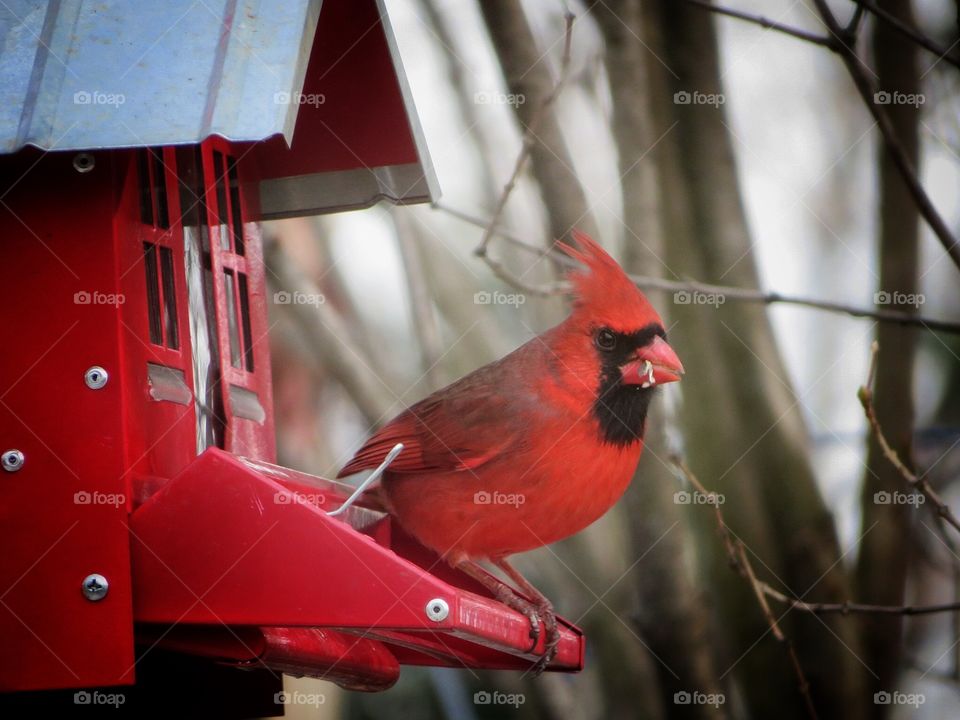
(437, 610)
(83, 162)
(12, 460)
(96, 377)
(95, 587)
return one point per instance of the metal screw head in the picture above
(83, 162)
(437, 610)
(12, 460)
(95, 587)
(96, 377)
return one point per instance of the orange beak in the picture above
(654, 364)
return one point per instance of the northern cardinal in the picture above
(534, 447)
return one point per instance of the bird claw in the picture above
(546, 615)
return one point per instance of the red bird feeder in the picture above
(149, 537)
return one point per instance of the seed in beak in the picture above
(648, 371)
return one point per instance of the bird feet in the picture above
(546, 615)
(541, 612)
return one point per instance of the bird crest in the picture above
(602, 289)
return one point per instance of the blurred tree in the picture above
(672, 615)
(527, 73)
(885, 551)
(744, 432)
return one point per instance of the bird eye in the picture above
(605, 339)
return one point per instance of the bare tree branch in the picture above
(841, 42)
(918, 37)
(897, 152)
(728, 292)
(740, 561)
(529, 141)
(920, 483)
(766, 23)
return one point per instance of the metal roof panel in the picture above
(84, 74)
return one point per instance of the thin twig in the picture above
(894, 147)
(727, 292)
(766, 23)
(901, 27)
(741, 562)
(734, 550)
(529, 140)
(920, 483)
(849, 608)
(841, 41)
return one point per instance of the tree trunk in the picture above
(672, 616)
(527, 73)
(745, 434)
(885, 551)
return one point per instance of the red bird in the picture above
(534, 447)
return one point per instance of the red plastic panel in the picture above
(160, 433)
(240, 288)
(361, 121)
(216, 545)
(63, 515)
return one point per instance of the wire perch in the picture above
(371, 479)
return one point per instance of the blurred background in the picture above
(694, 147)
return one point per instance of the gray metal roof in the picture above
(82, 74)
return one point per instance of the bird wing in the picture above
(460, 427)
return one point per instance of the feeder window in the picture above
(161, 306)
(153, 188)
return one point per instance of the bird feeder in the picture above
(150, 540)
